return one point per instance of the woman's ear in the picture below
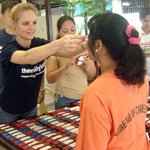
(98, 46)
(98, 49)
(13, 23)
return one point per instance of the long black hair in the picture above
(110, 28)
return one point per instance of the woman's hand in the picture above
(41, 96)
(84, 45)
(89, 67)
(70, 63)
(85, 63)
(69, 45)
(71, 42)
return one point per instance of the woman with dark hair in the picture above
(69, 75)
(63, 31)
(113, 107)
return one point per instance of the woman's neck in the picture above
(108, 66)
(109, 69)
(24, 43)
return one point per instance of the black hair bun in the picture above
(134, 33)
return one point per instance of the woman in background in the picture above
(70, 75)
(114, 106)
(23, 64)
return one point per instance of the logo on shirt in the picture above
(32, 72)
(1, 49)
(133, 113)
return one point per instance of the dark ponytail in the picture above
(110, 28)
(131, 68)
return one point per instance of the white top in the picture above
(145, 45)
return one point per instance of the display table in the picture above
(57, 130)
(54, 131)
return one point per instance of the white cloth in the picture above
(145, 45)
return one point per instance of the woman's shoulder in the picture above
(39, 41)
(10, 44)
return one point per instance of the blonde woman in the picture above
(23, 64)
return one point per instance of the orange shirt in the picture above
(113, 116)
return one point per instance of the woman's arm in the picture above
(53, 72)
(41, 95)
(69, 45)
